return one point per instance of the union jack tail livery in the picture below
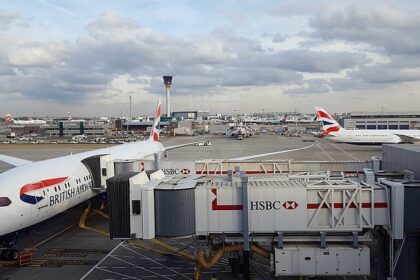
(328, 123)
(154, 135)
(9, 119)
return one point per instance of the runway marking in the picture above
(327, 154)
(52, 236)
(101, 261)
(137, 266)
(120, 274)
(345, 152)
(272, 153)
(119, 267)
(140, 254)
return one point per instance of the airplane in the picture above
(10, 120)
(33, 192)
(240, 131)
(70, 119)
(335, 133)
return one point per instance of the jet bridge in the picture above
(306, 223)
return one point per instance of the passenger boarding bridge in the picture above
(305, 222)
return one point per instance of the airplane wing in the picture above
(270, 154)
(182, 145)
(407, 139)
(14, 160)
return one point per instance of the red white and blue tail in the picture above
(154, 135)
(328, 123)
(9, 119)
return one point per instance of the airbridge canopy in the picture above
(220, 166)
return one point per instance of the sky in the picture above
(246, 56)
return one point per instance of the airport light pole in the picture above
(130, 105)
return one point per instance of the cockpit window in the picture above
(4, 201)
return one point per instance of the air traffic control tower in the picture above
(167, 81)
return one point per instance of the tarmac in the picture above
(65, 251)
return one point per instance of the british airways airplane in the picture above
(36, 191)
(10, 120)
(335, 133)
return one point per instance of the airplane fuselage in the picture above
(372, 136)
(34, 192)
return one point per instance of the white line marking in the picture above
(134, 265)
(140, 254)
(345, 152)
(99, 263)
(118, 267)
(120, 274)
(327, 154)
(271, 154)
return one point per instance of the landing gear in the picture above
(9, 254)
(6, 251)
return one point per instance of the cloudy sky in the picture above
(88, 57)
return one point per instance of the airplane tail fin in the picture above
(328, 123)
(8, 119)
(154, 135)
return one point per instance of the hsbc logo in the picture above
(273, 205)
(290, 205)
(185, 171)
(176, 171)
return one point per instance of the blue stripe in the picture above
(31, 199)
(327, 123)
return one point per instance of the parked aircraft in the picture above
(10, 120)
(335, 133)
(70, 119)
(240, 131)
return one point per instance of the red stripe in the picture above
(329, 130)
(41, 184)
(215, 206)
(324, 115)
(353, 205)
(157, 114)
(266, 172)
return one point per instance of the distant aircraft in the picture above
(70, 119)
(335, 133)
(240, 131)
(10, 120)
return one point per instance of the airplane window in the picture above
(4, 201)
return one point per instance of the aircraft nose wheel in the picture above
(9, 255)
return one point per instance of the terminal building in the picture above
(379, 120)
(69, 129)
(199, 114)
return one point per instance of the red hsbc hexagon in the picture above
(290, 205)
(185, 171)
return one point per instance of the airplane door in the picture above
(40, 194)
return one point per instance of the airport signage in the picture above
(171, 171)
(177, 167)
(176, 171)
(273, 205)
